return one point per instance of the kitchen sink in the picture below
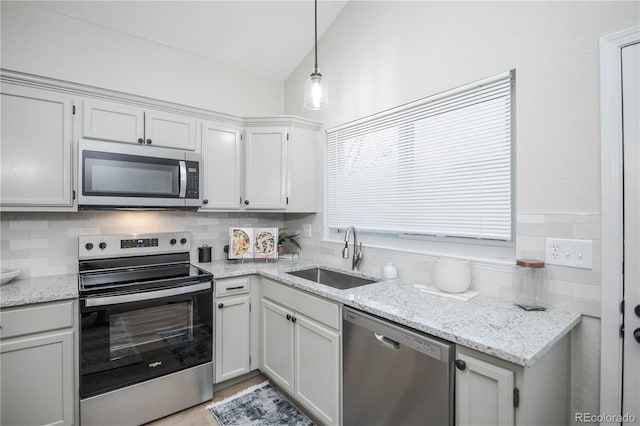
(331, 278)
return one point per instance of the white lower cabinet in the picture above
(233, 328)
(38, 365)
(491, 391)
(301, 348)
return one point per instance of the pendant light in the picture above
(316, 94)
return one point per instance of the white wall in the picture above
(41, 42)
(381, 54)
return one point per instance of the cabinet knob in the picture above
(288, 317)
(102, 245)
(637, 310)
(140, 140)
(88, 246)
(636, 334)
(205, 201)
(149, 141)
(221, 305)
(460, 364)
(294, 319)
(246, 202)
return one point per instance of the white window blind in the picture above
(438, 166)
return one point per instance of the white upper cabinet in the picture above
(266, 168)
(36, 148)
(272, 168)
(124, 123)
(112, 122)
(222, 159)
(170, 130)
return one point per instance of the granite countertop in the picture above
(27, 291)
(487, 324)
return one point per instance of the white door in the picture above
(222, 166)
(266, 168)
(277, 344)
(317, 369)
(112, 122)
(631, 141)
(170, 130)
(484, 394)
(232, 337)
(36, 147)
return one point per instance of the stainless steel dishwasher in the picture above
(394, 375)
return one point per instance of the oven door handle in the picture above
(150, 295)
(183, 179)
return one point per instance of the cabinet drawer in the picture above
(311, 306)
(229, 286)
(37, 318)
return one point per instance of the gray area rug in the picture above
(258, 405)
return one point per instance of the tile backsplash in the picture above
(40, 244)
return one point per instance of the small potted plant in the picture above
(285, 237)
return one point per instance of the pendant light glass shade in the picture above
(316, 93)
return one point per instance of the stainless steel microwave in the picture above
(119, 175)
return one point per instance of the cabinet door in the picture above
(304, 171)
(221, 157)
(277, 344)
(317, 369)
(36, 147)
(232, 337)
(37, 380)
(484, 394)
(266, 168)
(112, 122)
(170, 130)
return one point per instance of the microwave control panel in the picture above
(193, 180)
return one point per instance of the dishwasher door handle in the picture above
(385, 341)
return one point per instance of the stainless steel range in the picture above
(146, 328)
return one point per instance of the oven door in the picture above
(116, 174)
(129, 338)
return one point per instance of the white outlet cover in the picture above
(566, 252)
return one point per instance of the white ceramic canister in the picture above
(389, 272)
(451, 275)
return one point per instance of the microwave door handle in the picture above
(183, 179)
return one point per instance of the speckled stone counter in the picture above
(38, 290)
(490, 325)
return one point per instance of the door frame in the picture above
(611, 210)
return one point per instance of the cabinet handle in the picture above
(149, 141)
(238, 287)
(205, 201)
(221, 305)
(140, 140)
(288, 317)
(460, 364)
(294, 319)
(246, 202)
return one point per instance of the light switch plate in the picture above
(573, 253)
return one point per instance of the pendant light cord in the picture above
(315, 69)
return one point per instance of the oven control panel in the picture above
(116, 245)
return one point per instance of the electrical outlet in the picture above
(573, 253)
(306, 230)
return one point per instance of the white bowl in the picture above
(7, 275)
(451, 275)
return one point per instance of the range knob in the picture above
(172, 241)
(102, 245)
(88, 246)
(183, 241)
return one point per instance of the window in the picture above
(440, 166)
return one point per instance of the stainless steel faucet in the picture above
(357, 250)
